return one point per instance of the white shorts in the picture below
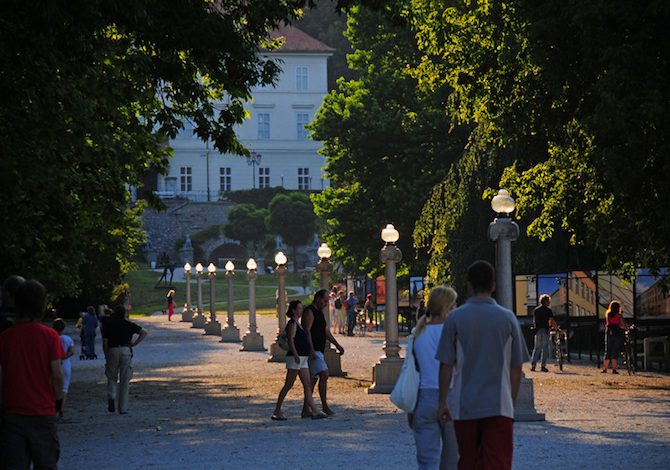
(317, 365)
(302, 364)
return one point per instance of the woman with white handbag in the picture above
(436, 446)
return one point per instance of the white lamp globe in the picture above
(198, 268)
(211, 268)
(324, 251)
(251, 264)
(280, 258)
(502, 203)
(390, 234)
(187, 268)
(230, 266)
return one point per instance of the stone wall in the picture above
(180, 219)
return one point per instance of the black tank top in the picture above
(318, 329)
(300, 340)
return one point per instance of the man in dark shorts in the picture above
(117, 343)
(543, 318)
(314, 322)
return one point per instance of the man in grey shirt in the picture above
(482, 349)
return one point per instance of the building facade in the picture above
(282, 152)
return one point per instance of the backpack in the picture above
(338, 303)
(282, 340)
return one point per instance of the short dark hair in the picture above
(31, 300)
(120, 311)
(9, 290)
(58, 325)
(320, 293)
(291, 307)
(481, 277)
(544, 297)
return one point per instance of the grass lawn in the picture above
(147, 298)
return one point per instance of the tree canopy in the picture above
(580, 91)
(292, 218)
(386, 141)
(246, 223)
(91, 88)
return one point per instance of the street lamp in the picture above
(385, 373)
(324, 267)
(212, 327)
(254, 159)
(277, 353)
(230, 333)
(252, 341)
(187, 313)
(503, 230)
(282, 180)
(199, 319)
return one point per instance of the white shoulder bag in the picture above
(406, 390)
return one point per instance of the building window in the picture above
(303, 178)
(302, 119)
(263, 126)
(225, 178)
(187, 132)
(263, 177)
(186, 179)
(301, 78)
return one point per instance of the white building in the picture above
(274, 132)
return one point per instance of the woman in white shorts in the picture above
(296, 362)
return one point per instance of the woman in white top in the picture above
(436, 446)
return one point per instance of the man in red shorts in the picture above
(31, 385)
(482, 349)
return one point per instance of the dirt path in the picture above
(199, 403)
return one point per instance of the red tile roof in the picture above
(298, 41)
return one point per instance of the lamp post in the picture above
(199, 319)
(324, 267)
(252, 341)
(254, 159)
(277, 354)
(385, 373)
(230, 333)
(187, 313)
(212, 327)
(503, 230)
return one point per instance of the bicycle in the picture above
(561, 355)
(361, 327)
(628, 353)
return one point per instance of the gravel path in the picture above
(199, 403)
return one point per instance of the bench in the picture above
(656, 349)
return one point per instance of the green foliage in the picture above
(198, 238)
(581, 92)
(292, 217)
(246, 223)
(258, 197)
(387, 144)
(91, 88)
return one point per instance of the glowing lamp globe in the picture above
(324, 251)
(502, 203)
(390, 234)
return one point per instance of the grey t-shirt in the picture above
(483, 342)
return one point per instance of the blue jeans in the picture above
(89, 344)
(541, 346)
(436, 446)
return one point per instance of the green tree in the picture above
(581, 92)
(246, 224)
(387, 143)
(91, 88)
(292, 217)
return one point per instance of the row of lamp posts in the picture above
(385, 373)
